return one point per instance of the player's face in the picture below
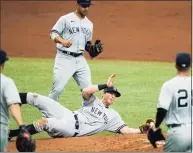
(83, 10)
(109, 98)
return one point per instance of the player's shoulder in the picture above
(6, 80)
(168, 83)
(68, 15)
(173, 81)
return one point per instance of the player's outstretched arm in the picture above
(87, 92)
(127, 130)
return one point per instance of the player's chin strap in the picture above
(40, 124)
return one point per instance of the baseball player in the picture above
(72, 34)
(94, 116)
(9, 101)
(175, 107)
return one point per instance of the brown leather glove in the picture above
(144, 128)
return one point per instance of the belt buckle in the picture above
(68, 53)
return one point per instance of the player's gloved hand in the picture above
(88, 46)
(99, 46)
(94, 50)
(144, 128)
(24, 141)
(150, 120)
(155, 135)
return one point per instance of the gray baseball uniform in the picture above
(71, 61)
(175, 97)
(9, 95)
(93, 117)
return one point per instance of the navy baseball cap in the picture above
(183, 60)
(114, 90)
(84, 3)
(3, 56)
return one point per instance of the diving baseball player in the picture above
(9, 101)
(72, 34)
(175, 107)
(94, 116)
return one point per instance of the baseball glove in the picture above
(24, 141)
(154, 136)
(144, 128)
(149, 120)
(94, 50)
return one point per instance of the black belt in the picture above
(71, 53)
(76, 124)
(174, 125)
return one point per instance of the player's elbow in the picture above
(85, 93)
(53, 35)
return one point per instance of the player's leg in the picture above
(62, 72)
(82, 75)
(46, 105)
(3, 138)
(63, 127)
(52, 113)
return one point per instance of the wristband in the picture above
(102, 86)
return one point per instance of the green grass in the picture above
(139, 83)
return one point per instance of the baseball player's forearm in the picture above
(127, 130)
(161, 113)
(86, 92)
(58, 39)
(16, 113)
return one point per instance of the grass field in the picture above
(139, 83)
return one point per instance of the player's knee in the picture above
(31, 97)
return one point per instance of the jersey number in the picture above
(180, 102)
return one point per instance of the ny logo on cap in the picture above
(115, 89)
(183, 65)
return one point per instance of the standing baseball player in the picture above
(175, 107)
(95, 115)
(9, 101)
(72, 34)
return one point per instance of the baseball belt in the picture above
(179, 125)
(71, 53)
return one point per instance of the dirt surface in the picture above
(118, 143)
(148, 31)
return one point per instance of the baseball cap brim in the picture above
(117, 93)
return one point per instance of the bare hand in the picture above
(110, 80)
(66, 43)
